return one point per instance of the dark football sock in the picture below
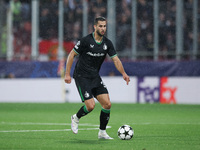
(82, 112)
(104, 118)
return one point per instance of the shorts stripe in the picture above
(79, 88)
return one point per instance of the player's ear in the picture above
(95, 26)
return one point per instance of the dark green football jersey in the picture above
(91, 55)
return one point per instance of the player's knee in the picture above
(107, 105)
(90, 107)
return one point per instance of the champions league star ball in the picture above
(125, 132)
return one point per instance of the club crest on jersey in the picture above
(105, 47)
(86, 94)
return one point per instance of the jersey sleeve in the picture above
(79, 47)
(111, 51)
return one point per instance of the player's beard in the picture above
(99, 34)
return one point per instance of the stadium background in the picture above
(158, 43)
(157, 40)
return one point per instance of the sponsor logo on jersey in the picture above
(105, 47)
(95, 54)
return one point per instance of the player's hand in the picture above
(126, 78)
(68, 79)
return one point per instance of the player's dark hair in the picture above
(100, 18)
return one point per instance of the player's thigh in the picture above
(84, 88)
(99, 89)
(90, 104)
(104, 100)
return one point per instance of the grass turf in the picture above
(43, 126)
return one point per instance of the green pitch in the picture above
(47, 126)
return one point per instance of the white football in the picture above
(125, 132)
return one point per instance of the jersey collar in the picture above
(96, 41)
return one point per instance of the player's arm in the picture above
(69, 63)
(120, 68)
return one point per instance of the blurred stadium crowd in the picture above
(73, 9)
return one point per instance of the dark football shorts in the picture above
(90, 87)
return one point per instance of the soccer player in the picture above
(92, 50)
